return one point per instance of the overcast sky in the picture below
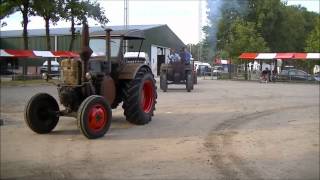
(182, 16)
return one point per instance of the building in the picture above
(159, 39)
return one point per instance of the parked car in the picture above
(217, 70)
(202, 69)
(55, 68)
(295, 74)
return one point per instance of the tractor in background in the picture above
(177, 73)
(97, 83)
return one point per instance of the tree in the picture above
(313, 40)
(221, 15)
(7, 8)
(267, 15)
(77, 11)
(313, 44)
(48, 10)
(25, 7)
(244, 38)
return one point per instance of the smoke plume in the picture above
(215, 11)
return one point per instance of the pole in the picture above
(126, 21)
(200, 29)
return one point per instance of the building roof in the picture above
(66, 31)
(126, 34)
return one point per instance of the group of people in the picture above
(183, 56)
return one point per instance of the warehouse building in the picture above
(158, 40)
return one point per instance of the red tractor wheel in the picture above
(140, 98)
(94, 117)
(42, 113)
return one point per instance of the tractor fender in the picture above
(129, 71)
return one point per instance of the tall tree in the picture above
(267, 16)
(6, 9)
(77, 11)
(221, 11)
(25, 7)
(48, 10)
(244, 38)
(313, 40)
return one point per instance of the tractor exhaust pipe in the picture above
(108, 49)
(86, 51)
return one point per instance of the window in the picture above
(301, 73)
(98, 47)
(292, 73)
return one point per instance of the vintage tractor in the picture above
(90, 87)
(176, 73)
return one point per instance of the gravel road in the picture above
(221, 130)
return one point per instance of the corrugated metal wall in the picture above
(35, 43)
(64, 42)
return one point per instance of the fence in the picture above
(237, 73)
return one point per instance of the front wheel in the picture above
(94, 117)
(42, 113)
(189, 82)
(140, 97)
(195, 78)
(163, 82)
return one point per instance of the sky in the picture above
(182, 16)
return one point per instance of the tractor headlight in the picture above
(88, 76)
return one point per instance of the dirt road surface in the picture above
(221, 130)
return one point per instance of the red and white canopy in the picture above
(283, 56)
(36, 54)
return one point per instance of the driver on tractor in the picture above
(173, 56)
(185, 56)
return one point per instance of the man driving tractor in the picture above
(185, 55)
(173, 56)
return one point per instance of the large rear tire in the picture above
(189, 82)
(42, 113)
(140, 97)
(94, 117)
(163, 82)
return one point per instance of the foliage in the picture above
(199, 51)
(244, 38)
(7, 7)
(25, 7)
(77, 11)
(260, 26)
(313, 40)
(48, 10)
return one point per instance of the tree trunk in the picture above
(73, 34)
(48, 42)
(25, 33)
